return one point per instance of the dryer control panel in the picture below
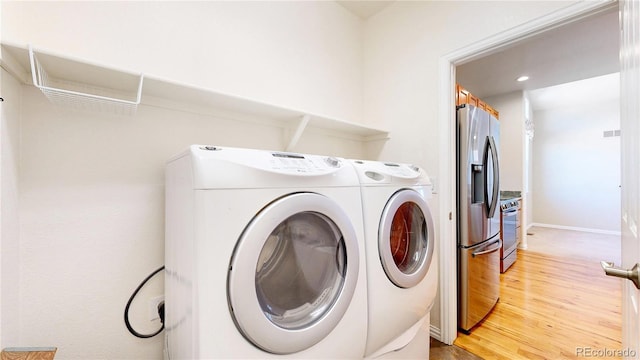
(377, 172)
(401, 170)
(300, 164)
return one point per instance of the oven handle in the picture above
(510, 212)
(484, 252)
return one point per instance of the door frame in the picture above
(446, 113)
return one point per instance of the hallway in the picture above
(550, 307)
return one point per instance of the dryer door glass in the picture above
(406, 239)
(300, 270)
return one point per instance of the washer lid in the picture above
(293, 273)
(406, 238)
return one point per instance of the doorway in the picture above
(448, 64)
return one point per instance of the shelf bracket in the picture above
(302, 124)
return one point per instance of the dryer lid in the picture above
(406, 238)
(293, 273)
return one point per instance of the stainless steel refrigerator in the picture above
(478, 194)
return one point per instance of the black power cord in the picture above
(160, 309)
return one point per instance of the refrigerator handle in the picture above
(495, 192)
(484, 252)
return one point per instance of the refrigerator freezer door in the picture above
(479, 282)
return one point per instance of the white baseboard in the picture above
(574, 228)
(435, 333)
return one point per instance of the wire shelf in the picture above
(81, 95)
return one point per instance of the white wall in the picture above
(91, 199)
(576, 171)
(9, 228)
(511, 109)
(529, 135)
(402, 47)
(298, 54)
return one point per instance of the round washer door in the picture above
(293, 273)
(406, 238)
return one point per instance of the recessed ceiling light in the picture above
(522, 78)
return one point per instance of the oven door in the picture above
(510, 221)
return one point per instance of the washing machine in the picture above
(264, 256)
(401, 265)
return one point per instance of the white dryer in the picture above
(401, 266)
(264, 256)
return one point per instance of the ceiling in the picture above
(364, 8)
(600, 88)
(584, 49)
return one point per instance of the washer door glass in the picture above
(293, 273)
(300, 270)
(406, 238)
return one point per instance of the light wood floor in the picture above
(574, 244)
(442, 351)
(550, 307)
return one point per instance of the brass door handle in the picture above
(633, 274)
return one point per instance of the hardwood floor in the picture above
(550, 307)
(574, 244)
(442, 351)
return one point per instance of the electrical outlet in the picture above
(153, 307)
(434, 184)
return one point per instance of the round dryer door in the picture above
(406, 238)
(293, 273)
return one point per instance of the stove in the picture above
(510, 230)
(509, 204)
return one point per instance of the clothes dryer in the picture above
(401, 266)
(264, 256)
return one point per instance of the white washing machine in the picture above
(401, 265)
(264, 256)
